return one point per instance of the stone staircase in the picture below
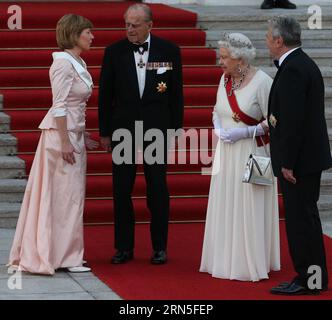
(214, 20)
(12, 171)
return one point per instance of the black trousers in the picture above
(157, 201)
(303, 226)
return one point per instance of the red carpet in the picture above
(100, 186)
(39, 77)
(27, 141)
(30, 119)
(180, 278)
(42, 98)
(101, 14)
(181, 209)
(191, 208)
(43, 57)
(101, 163)
(46, 39)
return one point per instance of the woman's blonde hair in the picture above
(69, 29)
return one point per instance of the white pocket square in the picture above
(161, 70)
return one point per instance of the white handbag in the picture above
(258, 168)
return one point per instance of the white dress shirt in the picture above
(141, 72)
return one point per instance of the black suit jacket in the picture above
(120, 104)
(299, 139)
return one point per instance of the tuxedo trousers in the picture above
(157, 197)
(303, 227)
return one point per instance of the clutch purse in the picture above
(258, 168)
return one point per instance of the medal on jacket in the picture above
(162, 87)
(141, 64)
(236, 117)
(273, 120)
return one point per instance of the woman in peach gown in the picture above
(49, 233)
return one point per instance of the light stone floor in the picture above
(61, 286)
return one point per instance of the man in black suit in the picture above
(300, 151)
(140, 83)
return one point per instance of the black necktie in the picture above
(144, 46)
(276, 63)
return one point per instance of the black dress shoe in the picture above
(287, 284)
(284, 4)
(294, 290)
(267, 4)
(122, 256)
(159, 257)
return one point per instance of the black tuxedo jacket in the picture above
(120, 104)
(299, 138)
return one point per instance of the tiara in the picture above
(237, 43)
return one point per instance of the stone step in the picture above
(330, 136)
(4, 122)
(1, 102)
(250, 17)
(8, 144)
(11, 167)
(325, 206)
(328, 97)
(326, 184)
(325, 200)
(328, 117)
(233, 3)
(326, 73)
(323, 57)
(9, 212)
(310, 38)
(12, 190)
(330, 169)
(238, 23)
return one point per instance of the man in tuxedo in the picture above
(300, 151)
(140, 82)
(283, 4)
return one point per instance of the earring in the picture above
(239, 69)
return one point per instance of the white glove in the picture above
(218, 130)
(236, 134)
(259, 131)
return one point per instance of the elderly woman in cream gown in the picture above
(49, 233)
(241, 240)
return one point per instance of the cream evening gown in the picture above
(241, 238)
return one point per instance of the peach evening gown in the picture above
(49, 233)
(241, 240)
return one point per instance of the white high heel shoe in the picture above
(11, 269)
(78, 269)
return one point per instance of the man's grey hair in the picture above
(288, 29)
(141, 6)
